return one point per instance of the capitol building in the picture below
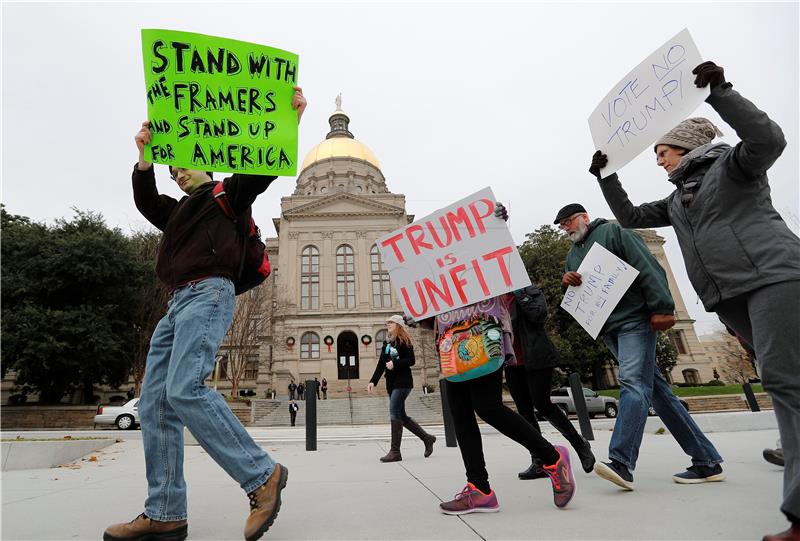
(329, 294)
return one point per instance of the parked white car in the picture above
(125, 417)
(595, 403)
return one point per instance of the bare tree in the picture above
(243, 340)
(736, 363)
(150, 303)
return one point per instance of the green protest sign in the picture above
(219, 104)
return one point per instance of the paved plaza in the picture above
(342, 491)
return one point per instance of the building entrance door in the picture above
(347, 355)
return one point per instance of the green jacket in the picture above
(649, 294)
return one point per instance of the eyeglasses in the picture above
(566, 222)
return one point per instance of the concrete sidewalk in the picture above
(342, 491)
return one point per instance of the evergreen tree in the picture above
(68, 296)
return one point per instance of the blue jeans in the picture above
(174, 395)
(641, 382)
(397, 404)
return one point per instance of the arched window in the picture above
(380, 336)
(381, 291)
(309, 346)
(309, 278)
(345, 277)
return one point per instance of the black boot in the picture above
(559, 420)
(585, 453)
(534, 471)
(394, 450)
(418, 431)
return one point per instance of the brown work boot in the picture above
(143, 528)
(265, 502)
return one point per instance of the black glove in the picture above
(708, 73)
(500, 211)
(409, 321)
(599, 160)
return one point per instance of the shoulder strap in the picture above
(222, 200)
(224, 203)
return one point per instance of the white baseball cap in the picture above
(396, 319)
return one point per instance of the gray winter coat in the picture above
(732, 238)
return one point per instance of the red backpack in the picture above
(254, 266)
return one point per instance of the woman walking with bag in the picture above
(474, 342)
(396, 360)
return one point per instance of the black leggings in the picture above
(531, 389)
(484, 396)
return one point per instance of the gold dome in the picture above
(340, 147)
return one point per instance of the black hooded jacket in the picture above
(528, 315)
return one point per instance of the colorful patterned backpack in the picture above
(471, 349)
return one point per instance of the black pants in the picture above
(293, 416)
(484, 396)
(531, 389)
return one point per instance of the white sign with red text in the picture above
(457, 256)
(604, 280)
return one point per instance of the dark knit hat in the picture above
(690, 134)
(569, 210)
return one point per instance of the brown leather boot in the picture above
(143, 528)
(418, 431)
(394, 451)
(265, 502)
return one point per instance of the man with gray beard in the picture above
(630, 334)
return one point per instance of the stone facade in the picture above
(327, 279)
(728, 358)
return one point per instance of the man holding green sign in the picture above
(199, 257)
(217, 104)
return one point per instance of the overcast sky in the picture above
(450, 96)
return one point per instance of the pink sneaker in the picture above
(560, 475)
(471, 500)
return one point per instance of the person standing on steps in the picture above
(396, 360)
(293, 409)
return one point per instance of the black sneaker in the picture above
(616, 472)
(534, 471)
(774, 456)
(699, 474)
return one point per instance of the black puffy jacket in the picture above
(528, 315)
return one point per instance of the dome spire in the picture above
(339, 121)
